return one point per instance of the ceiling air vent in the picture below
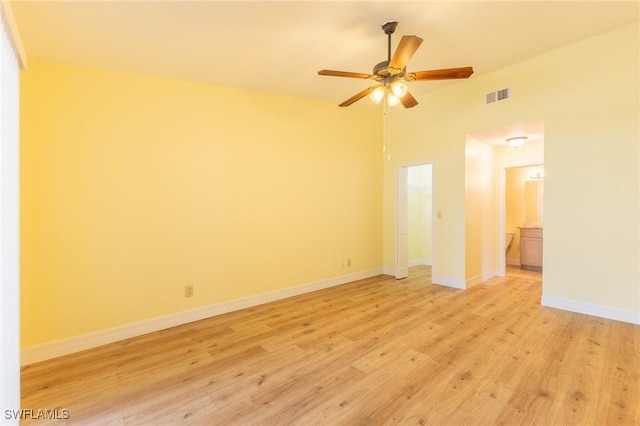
(497, 96)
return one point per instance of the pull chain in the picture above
(386, 127)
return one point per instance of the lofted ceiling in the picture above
(280, 46)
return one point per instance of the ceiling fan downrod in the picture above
(389, 28)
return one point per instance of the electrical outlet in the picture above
(188, 291)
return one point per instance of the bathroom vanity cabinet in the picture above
(531, 249)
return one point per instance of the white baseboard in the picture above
(44, 351)
(389, 271)
(421, 261)
(608, 312)
(481, 278)
(449, 282)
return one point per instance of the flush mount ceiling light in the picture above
(516, 141)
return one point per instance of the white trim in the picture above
(402, 222)
(449, 282)
(12, 29)
(406, 166)
(9, 225)
(502, 218)
(73, 344)
(389, 271)
(421, 261)
(503, 260)
(601, 311)
(481, 278)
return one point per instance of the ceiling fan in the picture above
(392, 73)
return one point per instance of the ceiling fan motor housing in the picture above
(381, 69)
(382, 73)
(389, 27)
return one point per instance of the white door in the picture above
(402, 252)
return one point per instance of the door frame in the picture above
(502, 210)
(402, 204)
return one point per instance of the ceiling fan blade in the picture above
(405, 50)
(408, 101)
(443, 74)
(358, 96)
(343, 74)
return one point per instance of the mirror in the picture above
(533, 202)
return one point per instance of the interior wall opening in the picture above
(416, 250)
(524, 210)
(490, 154)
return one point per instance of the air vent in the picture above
(497, 96)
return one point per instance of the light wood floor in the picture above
(377, 351)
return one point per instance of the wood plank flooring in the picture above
(374, 352)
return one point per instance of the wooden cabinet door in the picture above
(531, 251)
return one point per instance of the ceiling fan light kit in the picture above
(392, 74)
(394, 92)
(392, 99)
(398, 88)
(377, 94)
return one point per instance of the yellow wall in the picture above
(481, 211)
(587, 94)
(135, 186)
(418, 138)
(592, 140)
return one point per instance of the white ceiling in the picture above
(280, 46)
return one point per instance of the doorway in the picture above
(522, 206)
(415, 218)
(501, 157)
